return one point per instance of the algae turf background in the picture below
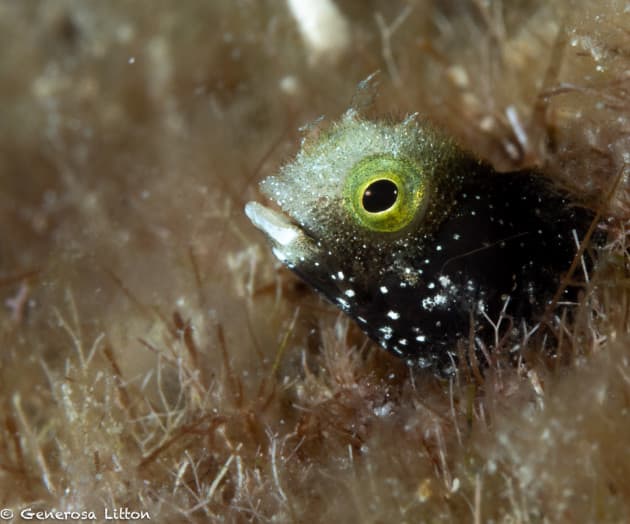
(154, 356)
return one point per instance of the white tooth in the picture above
(272, 223)
(278, 254)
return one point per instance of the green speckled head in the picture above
(324, 186)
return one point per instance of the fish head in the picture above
(417, 240)
(356, 208)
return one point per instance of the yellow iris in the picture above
(385, 193)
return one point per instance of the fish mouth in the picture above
(290, 243)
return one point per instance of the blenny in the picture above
(415, 238)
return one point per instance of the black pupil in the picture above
(380, 196)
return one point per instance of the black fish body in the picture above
(413, 238)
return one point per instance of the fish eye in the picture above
(384, 193)
(380, 196)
